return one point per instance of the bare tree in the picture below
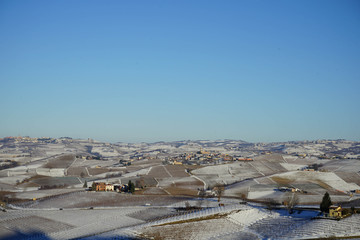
(219, 190)
(202, 195)
(244, 194)
(291, 202)
(140, 183)
(271, 204)
(187, 205)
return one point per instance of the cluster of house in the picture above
(204, 157)
(28, 139)
(102, 186)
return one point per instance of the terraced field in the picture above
(63, 161)
(77, 171)
(350, 177)
(50, 181)
(345, 165)
(177, 171)
(159, 172)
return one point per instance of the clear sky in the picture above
(175, 70)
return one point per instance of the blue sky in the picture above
(174, 70)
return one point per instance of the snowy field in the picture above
(326, 178)
(237, 171)
(264, 194)
(44, 193)
(66, 224)
(51, 172)
(99, 199)
(227, 173)
(73, 213)
(350, 177)
(292, 166)
(13, 180)
(346, 165)
(240, 222)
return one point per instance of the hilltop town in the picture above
(163, 182)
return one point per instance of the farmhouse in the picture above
(335, 211)
(109, 187)
(295, 189)
(101, 186)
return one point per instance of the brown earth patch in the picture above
(77, 171)
(63, 161)
(177, 191)
(96, 171)
(177, 170)
(282, 181)
(159, 172)
(153, 191)
(195, 184)
(349, 177)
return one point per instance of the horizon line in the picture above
(182, 140)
